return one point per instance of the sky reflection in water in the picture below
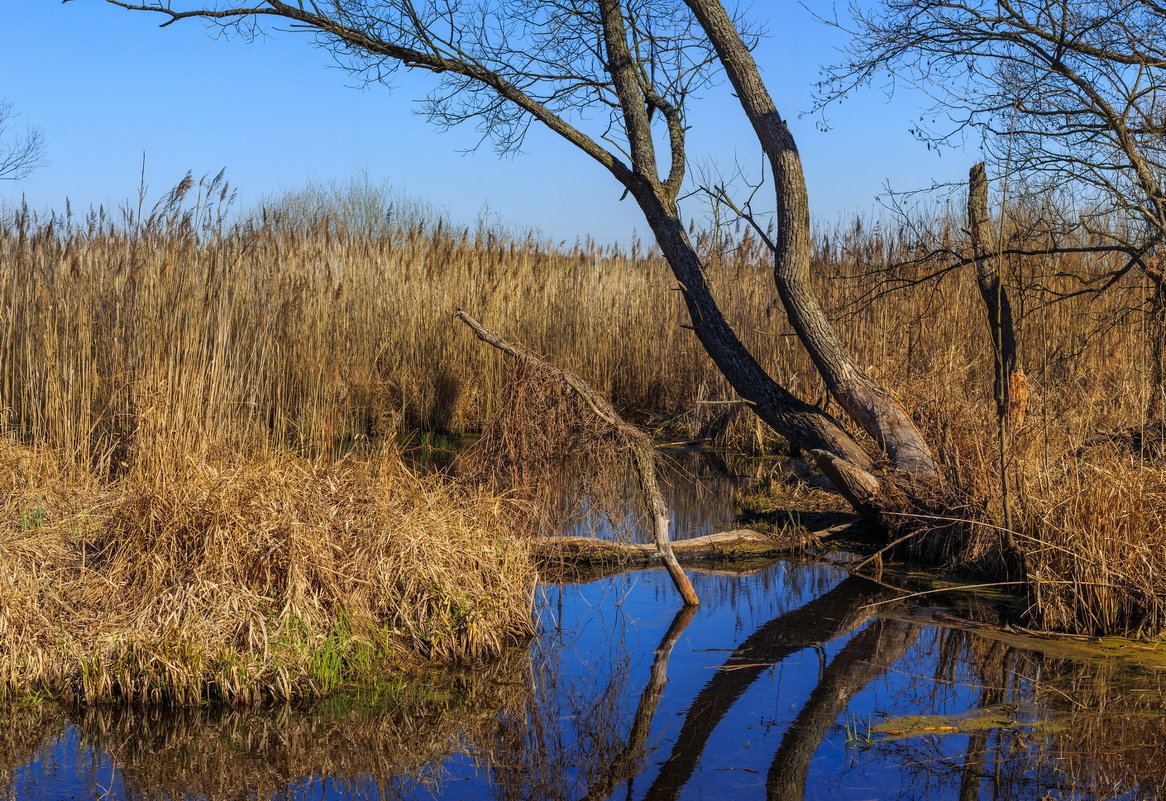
(785, 684)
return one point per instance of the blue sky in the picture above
(106, 85)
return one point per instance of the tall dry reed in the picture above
(180, 523)
(324, 323)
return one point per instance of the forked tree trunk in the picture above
(802, 424)
(864, 400)
(806, 426)
(838, 454)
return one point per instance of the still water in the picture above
(791, 681)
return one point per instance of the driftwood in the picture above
(638, 444)
(739, 544)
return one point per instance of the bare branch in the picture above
(23, 153)
(1073, 92)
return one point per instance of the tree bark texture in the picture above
(803, 424)
(867, 403)
(1156, 408)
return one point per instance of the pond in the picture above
(792, 680)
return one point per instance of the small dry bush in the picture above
(248, 579)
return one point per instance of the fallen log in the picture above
(726, 545)
(558, 571)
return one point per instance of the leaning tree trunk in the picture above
(867, 403)
(837, 454)
(802, 424)
(632, 78)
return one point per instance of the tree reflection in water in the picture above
(619, 702)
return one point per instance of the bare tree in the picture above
(20, 154)
(1064, 92)
(613, 78)
(1067, 95)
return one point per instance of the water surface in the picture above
(791, 681)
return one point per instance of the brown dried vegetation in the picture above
(196, 503)
(275, 578)
(179, 523)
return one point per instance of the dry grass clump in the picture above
(1096, 545)
(252, 579)
(1087, 520)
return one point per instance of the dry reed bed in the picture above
(129, 346)
(276, 578)
(317, 335)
